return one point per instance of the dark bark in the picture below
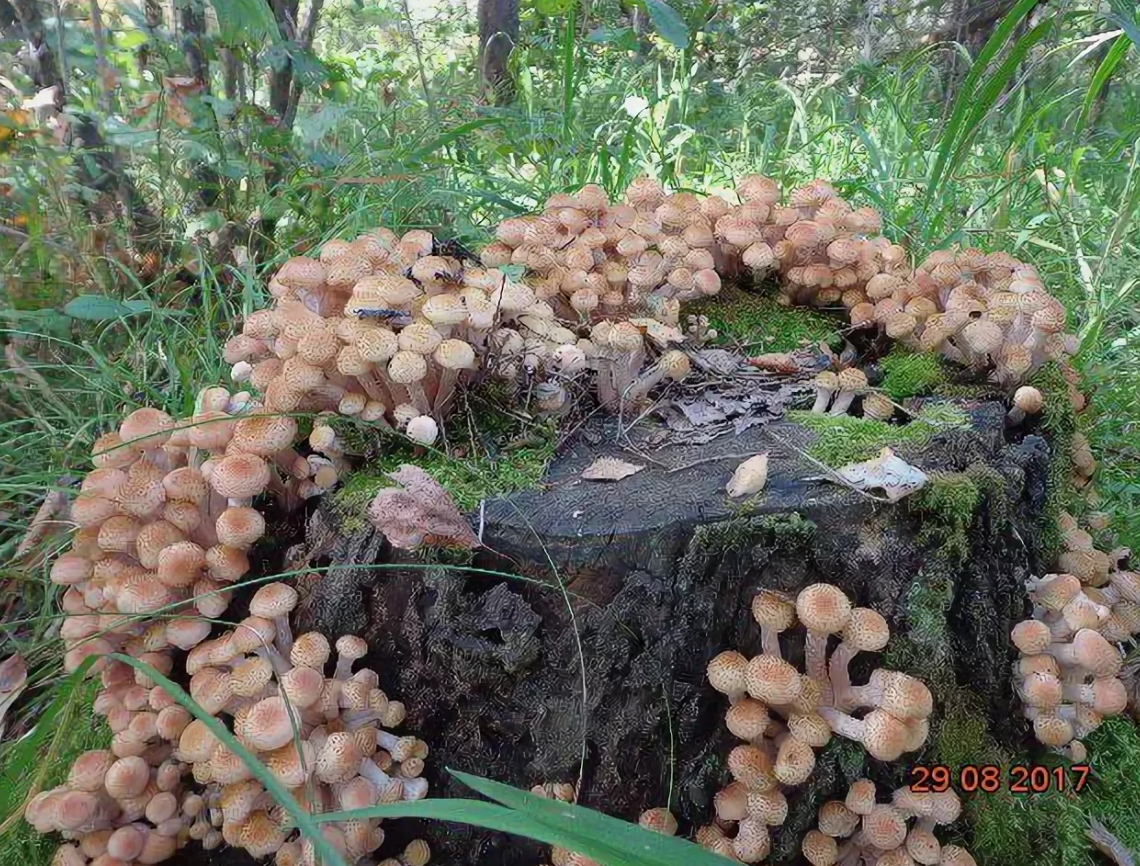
(233, 71)
(281, 77)
(39, 59)
(498, 33)
(193, 33)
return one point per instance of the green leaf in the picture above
(1100, 79)
(668, 23)
(1125, 18)
(622, 38)
(553, 8)
(100, 308)
(245, 21)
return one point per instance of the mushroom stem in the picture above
(447, 380)
(270, 654)
(822, 398)
(419, 398)
(283, 636)
(842, 724)
(376, 776)
(842, 403)
(840, 677)
(640, 388)
(770, 641)
(415, 789)
(353, 719)
(815, 657)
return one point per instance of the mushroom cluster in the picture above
(659, 820)
(986, 311)
(1069, 660)
(783, 715)
(877, 834)
(164, 522)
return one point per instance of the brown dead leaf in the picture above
(609, 469)
(182, 85)
(178, 112)
(146, 103)
(422, 512)
(776, 362)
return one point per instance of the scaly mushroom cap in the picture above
(1028, 399)
(419, 337)
(836, 820)
(1041, 690)
(904, 697)
(250, 677)
(659, 820)
(810, 728)
(794, 761)
(349, 646)
(772, 680)
(310, 650)
(239, 526)
(127, 777)
(752, 767)
(752, 842)
(676, 364)
(771, 807)
(109, 452)
(407, 367)
(952, 855)
(273, 600)
(303, 685)
(726, 672)
(885, 736)
(1052, 730)
(1095, 654)
(339, 758)
(146, 429)
(454, 355)
(866, 630)
(87, 773)
(852, 379)
(240, 476)
(826, 381)
(268, 725)
(819, 850)
(878, 406)
(823, 608)
(186, 484)
(180, 564)
(1031, 637)
(774, 610)
(264, 435)
(884, 827)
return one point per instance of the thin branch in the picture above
(102, 69)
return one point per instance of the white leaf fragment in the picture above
(749, 477)
(888, 472)
(609, 469)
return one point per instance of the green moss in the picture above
(1059, 422)
(911, 374)
(1008, 829)
(950, 500)
(482, 472)
(841, 439)
(762, 325)
(1113, 795)
(923, 649)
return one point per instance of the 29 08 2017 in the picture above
(991, 778)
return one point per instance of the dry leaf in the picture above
(13, 678)
(776, 362)
(183, 85)
(891, 473)
(749, 477)
(422, 512)
(609, 469)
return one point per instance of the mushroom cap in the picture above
(731, 803)
(772, 680)
(819, 850)
(454, 355)
(127, 777)
(866, 630)
(836, 820)
(1095, 654)
(884, 736)
(795, 761)
(109, 452)
(904, 697)
(823, 608)
(264, 435)
(407, 367)
(884, 827)
(273, 600)
(310, 650)
(268, 725)
(726, 672)
(810, 728)
(676, 364)
(752, 767)
(1028, 399)
(239, 526)
(240, 476)
(953, 855)
(747, 719)
(774, 610)
(852, 379)
(1052, 730)
(250, 677)
(186, 484)
(423, 430)
(196, 743)
(659, 820)
(1041, 689)
(303, 685)
(419, 337)
(860, 796)
(1031, 637)
(146, 429)
(339, 758)
(826, 381)
(87, 773)
(771, 807)
(350, 646)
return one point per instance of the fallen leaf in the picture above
(1109, 845)
(776, 362)
(888, 472)
(749, 477)
(422, 512)
(609, 469)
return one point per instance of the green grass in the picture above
(842, 439)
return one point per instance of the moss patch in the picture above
(923, 651)
(841, 439)
(951, 501)
(911, 374)
(482, 468)
(1059, 421)
(1008, 829)
(1113, 795)
(761, 324)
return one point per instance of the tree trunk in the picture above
(152, 11)
(39, 59)
(498, 33)
(233, 70)
(281, 77)
(193, 31)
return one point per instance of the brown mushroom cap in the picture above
(884, 827)
(240, 476)
(819, 849)
(774, 610)
(1028, 399)
(146, 429)
(836, 820)
(310, 650)
(823, 608)
(772, 680)
(726, 672)
(866, 630)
